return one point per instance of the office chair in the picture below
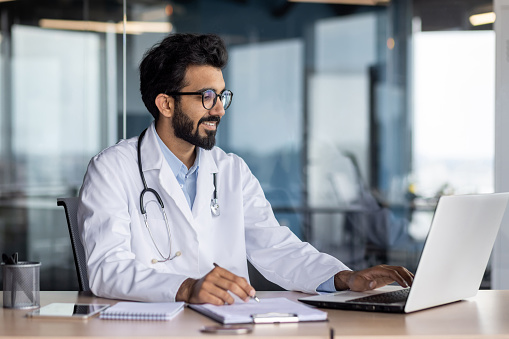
(71, 212)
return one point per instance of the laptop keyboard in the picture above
(384, 298)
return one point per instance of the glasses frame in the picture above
(202, 93)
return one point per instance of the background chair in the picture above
(71, 212)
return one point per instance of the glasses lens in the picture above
(209, 99)
(226, 98)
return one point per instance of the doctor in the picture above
(167, 216)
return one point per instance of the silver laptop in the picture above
(452, 263)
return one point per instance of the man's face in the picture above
(184, 128)
(191, 121)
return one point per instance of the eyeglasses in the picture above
(209, 97)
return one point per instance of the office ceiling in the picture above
(449, 14)
(434, 14)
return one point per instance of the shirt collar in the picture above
(175, 164)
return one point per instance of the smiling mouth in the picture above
(209, 124)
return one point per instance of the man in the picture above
(215, 216)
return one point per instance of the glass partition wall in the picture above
(354, 118)
(59, 106)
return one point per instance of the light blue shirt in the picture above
(327, 286)
(187, 181)
(185, 177)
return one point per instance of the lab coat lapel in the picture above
(155, 165)
(204, 184)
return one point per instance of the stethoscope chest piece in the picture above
(214, 207)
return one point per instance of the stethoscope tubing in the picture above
(143, 210)
(214, 206)
(145, 187)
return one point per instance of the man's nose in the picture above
(218, 108)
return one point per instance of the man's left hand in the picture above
(373, 277)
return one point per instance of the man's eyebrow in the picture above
(210, 88)
(204, 89)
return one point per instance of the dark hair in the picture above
(164, 66)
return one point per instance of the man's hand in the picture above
(373, 277)
(213, 288)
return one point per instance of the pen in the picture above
(252, 297)
(12, 260)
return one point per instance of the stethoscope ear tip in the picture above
(155, 261)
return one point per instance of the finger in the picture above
(401, 275)
(232, 282)
(208, 298)
(379, 282)
(218, 292)
(407, 275)
(207, 291)
(375, 277)
(237, 285)
(358, 281)
(391, 274)
(240, 287)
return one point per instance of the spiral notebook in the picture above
(142, 311)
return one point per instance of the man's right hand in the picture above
(213, 288)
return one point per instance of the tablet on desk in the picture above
(68, 311)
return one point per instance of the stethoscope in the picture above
(214, 207)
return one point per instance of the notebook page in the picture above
(241, 312)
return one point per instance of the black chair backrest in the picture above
(71, 212)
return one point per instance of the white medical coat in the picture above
(119, 249)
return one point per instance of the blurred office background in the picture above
(356, 116)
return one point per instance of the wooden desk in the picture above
(486, 316)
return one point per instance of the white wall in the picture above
(500, 264)
(267, 84)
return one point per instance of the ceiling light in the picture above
(132, 27)
(482, 19)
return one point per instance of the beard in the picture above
(183, 127)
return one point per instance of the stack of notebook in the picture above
(142, 311)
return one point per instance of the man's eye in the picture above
(208, 95)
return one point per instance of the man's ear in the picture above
(165, 104)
